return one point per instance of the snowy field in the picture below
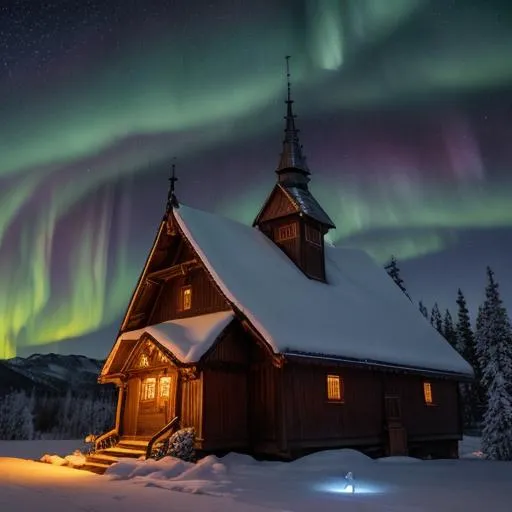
(238, 483)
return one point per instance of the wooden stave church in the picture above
(240, 391)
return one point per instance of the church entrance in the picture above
(150, 403)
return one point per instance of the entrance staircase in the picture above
(100, 460)
(109, 447)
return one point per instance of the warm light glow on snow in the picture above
(341, 487)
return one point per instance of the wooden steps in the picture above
(98, 462)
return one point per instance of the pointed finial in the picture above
(291, 156)
(172, 201)
(288, 81)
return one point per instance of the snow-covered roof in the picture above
(186, 338)
(359, 314)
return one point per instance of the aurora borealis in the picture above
(405, 111)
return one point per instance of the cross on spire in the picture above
(172, 201)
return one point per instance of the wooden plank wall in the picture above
(263, 406)
(279, 205)
(205, 298)
(192, 405)
(314, 260)
(225, 409)
(421, 420)
(311, 418)
(131, 407)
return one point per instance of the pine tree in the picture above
(436, 319)
(494, 351)
(472, 393)
(423, 309)
(448, 330)
(394, 272)
(16, 418)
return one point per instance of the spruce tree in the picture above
(436, 319)
(394, 272)
(494, 351)
(448, 330)
(423, 309)
(472, 393)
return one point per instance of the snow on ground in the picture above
(35, 449)
(239, 483)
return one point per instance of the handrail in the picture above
(159, 435)
(103, 437)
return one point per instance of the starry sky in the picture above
(405, 111)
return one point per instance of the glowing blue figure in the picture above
(350, 486)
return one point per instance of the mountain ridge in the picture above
(52, 373)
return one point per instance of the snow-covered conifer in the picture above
(494, 351)
(435, 318)
(423, 309)
(448, 329)
(465, 344)
(394, 272)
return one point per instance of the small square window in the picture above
(335, 391)
(144, 361)
(165, 387)
(427, 393)
(186, 298)
(148, 389)
(287, 232)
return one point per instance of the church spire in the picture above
(292, 164)
(172, 200)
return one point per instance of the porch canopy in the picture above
(187, 339)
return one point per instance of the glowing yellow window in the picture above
(334, 388)
(148, 389)
(287, 232)
(427, 393)
(144, 361)
(165, 387)
(186, 297)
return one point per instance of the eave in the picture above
(375, 365)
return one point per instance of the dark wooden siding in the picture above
(278, 205)
(292, 247)
(439, 419)
(232, 348)
(224, 410)
(140, 313)
(312, 420)
(122, 354)
(314, 260)
(130, 409)
(192, 405)
(263, 405)
(205, 297)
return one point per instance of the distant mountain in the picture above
(49, 372)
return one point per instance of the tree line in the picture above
(486, 345)
(71, 415)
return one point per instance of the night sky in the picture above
(405, 111)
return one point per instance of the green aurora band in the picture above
(56, 150)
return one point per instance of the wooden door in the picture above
(130, 409)
(397, 435)
(157, 403)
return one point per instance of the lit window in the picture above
(165, 387)
(186, 297)
(335, 388)
(287, 232)
(148, 389)
(144, 361)
(427, 393)
(313, 236)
